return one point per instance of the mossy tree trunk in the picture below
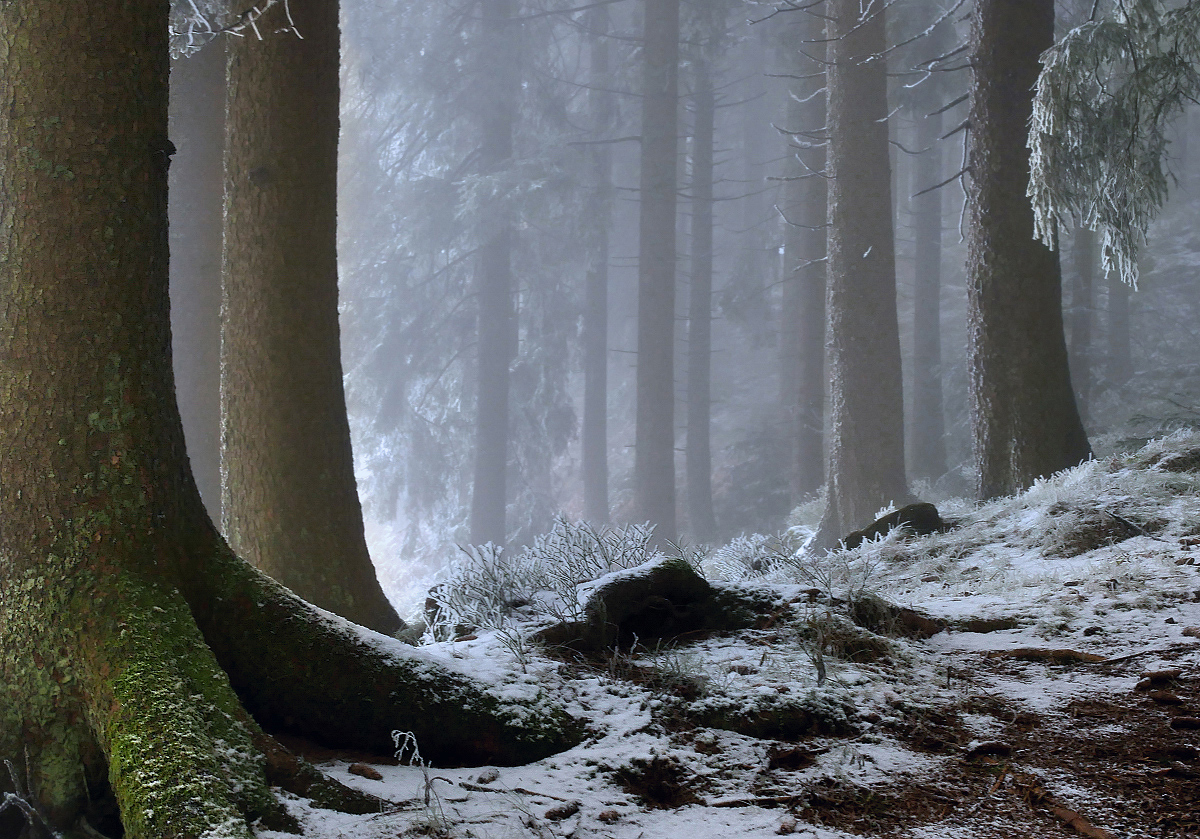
(866, 449)
(134, 646)
(289, 499)
(1023, 413)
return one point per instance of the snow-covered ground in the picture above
(961, 734)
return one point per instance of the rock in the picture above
(992, 748)
(884, 618)
(918, 519)
(563, 811)
(363, 770)
(1186, 723)
(663, 599)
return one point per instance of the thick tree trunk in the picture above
(802, 325)
(110, 569)
(595, 312)
(1079, 351)
(1023, 414)
(928, 432)
(289, 498)
(866, 460)
(698, 451)
(494, 285)
(197, 127)
(654, 457)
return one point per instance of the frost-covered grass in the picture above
(1093, 560)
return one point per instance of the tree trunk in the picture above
(289, 498)
(601, 108)
(1023, 414)
(1120, 351)
(802, 325)
(654, 455)
(929, 424)
(493, 282)
(124, 618)
(1084, 251)
(866, 460)
(197, 128)
(698, 452)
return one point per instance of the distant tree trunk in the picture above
(929, 425)
(494, 285)
(753, 266)
(654, 456)
(866, 460)
(1084, 251)
(290, 502)
(699, 373)
(802, 323)
(1023, 413)
(1120, 352)
(126, 625)
(595, 311)
(197, 128)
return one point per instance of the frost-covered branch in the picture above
(196, 22)
(1105, 98)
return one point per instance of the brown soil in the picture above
(1113, 766)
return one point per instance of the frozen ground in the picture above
(1042, 722)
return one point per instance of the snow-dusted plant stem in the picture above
(1106, 97)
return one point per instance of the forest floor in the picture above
(1063, 699)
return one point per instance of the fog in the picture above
(424, 195)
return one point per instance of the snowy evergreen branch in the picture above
(1106, 96)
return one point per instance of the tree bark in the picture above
(126, 623)
(1079, 351)
(494, 283)
(197, 128)
(1023, 414)
(866, 459)
(601, 107)
(929, 424)
(698, 452)
(802, 325)
(289, 498)
(654, 454)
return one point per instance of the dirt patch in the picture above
(659, 782)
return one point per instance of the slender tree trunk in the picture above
(290, 502)
(121, 609)
(494, 285)
(802, 325)
(929, 424)
(654, 458)
(1079, 351)
(699, 373)
(1120, 352)
(1023, 413)
(866, 460)
(595, 314)
(753, 268)
(197, 126)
